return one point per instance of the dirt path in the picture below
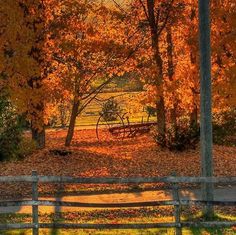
(220, 194)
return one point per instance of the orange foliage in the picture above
(54, 51)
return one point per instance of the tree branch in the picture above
(100, 87)
(144, 9)
(119, 6)
(166, 18)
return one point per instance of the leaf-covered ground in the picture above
(91, 158)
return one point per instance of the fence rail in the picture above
(116, 205)
(35, 179)
(68, 180)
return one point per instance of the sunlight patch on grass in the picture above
(120, 216)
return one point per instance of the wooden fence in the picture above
(176, 202)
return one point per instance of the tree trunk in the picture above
(39, 137)
(36, 25)
(37, 125)
(173, 118)
(71, 128)
(161, 124)
(37, 121)
(193, 59)
(173, 111)
(194, 117)
(170, 53)
(160, 106)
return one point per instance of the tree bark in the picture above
(39, 137)
(37, 125)
(36, 111)
(193, 59)
(71, 128)
(170, 63)
(194, 117)
(170, 53)
(160, 105)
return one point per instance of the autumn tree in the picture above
(22, 42)
(156, 61)
(157, 15)
(53, 52)
(86, 44)
(223, 54)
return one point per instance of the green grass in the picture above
(93, 232)
(213, 231)
(129, 103)
(193, 231)
(141, 215)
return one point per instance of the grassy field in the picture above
(192, 231)
(128, 102)
(105, 217)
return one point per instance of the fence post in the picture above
(177, 209)
(35, 207)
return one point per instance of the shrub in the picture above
(110, 109)
(224, 128)
(151, 111)
(59, 114)
(10, 130)
(180, 139)
(25, 148)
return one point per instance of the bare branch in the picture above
(59, 59)
(97, 90)
(144, 9)
(100, 87)
(166, 18)
(119, 6)
(158, 16)
(69, 61)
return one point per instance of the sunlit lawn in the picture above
(135, 111)
(106, 217)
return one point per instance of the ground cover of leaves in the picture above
(112, 158)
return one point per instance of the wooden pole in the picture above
(35, 198)
(205, 106)
(177, 208)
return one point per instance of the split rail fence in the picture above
(178, 224)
